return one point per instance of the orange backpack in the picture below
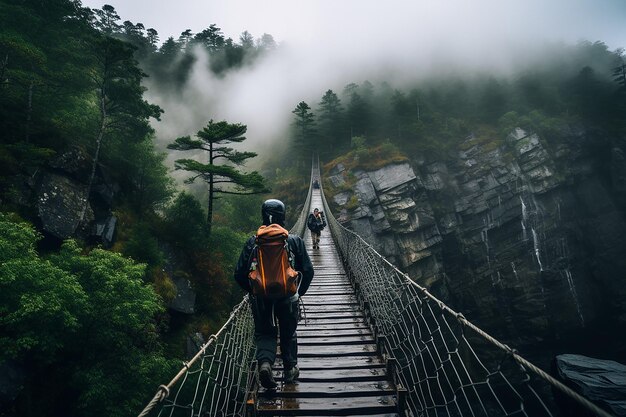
(271, 268)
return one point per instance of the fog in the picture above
(328, 43)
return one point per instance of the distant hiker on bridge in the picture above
(316, 223)
(274, 267)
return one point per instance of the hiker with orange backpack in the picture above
(275, 269)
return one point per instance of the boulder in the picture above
(60, 202)
(195, 342)
(391, 176)
(104, 230)
(601, 381)
(364, 190)
(337, 180)
(12, 377)
(75, 162)
(342, 198)
(185, 300)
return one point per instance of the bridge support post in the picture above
(381, 344)
(250, 408)
(391, 365)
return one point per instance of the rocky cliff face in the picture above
(528, 241)
(56, 195)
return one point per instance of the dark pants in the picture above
(265, 330)
(315, 237)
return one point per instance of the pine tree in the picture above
(304, 130)
(221, 179)
(330, 121)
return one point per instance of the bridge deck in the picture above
(341, 372)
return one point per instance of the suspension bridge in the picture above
(373, 342)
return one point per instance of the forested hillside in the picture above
(107, 270)
(584, 82)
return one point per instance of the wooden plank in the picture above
(339, 375)
(323, 301)
(334, 310)
(326, 389)
(332, 299)
(320, 310)
(328, 286)
(336, 340)
(327, 351)
(323, 320)
(336, 362)
(277, 406)
(332, 305)
(339, 317)
(328, 298)
(306, 333)
(315, 326)
(317, 291)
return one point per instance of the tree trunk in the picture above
(3, 68)
(29, 110)
(209, 216)
(103, 120)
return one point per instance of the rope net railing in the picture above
(215, 381)
(448, 366)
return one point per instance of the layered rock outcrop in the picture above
(527, 239)
(63, 205)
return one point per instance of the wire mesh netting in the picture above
(216, 384)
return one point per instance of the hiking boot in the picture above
(266, 378)
(291, 374)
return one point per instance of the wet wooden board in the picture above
(315, 326)
(332, 283)
(332, 305)
(339, 316)
(336, 340)
(317, 321)
(332, 389)
(339, 375)
(333, 309)
(344, 362)
(336, 350)
(313, 292)
(279, 406)
(305, 333)
(331, 286)
(337, 309)
(328, 298)
(317, 292)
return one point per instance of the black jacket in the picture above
(316, 224)
(301, 259)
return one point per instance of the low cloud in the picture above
(327, 44)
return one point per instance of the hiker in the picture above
(316, 184)
(275, 269)
(316, 223)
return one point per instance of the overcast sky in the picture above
(328, 43)
(326, 20)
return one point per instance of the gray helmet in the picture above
(273, 211)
